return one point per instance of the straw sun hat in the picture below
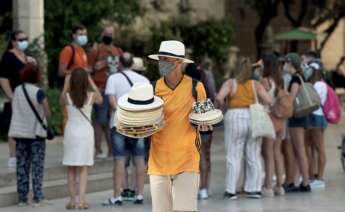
(140, 98)
(139, 113)
(205, 113)
(172, 49)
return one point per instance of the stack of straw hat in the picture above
(139, 113)
(204, 112)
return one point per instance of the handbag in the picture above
(307, 100)
(283, 106)
(50, 132)
(261, 122)
(5, 117)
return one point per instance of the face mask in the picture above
(286, 68)
(82, 40)
(22, 45)
(257, 74)
(307, 72)
(165, 67)
(287, 78)
(107, 40)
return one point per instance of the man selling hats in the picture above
(174, 157)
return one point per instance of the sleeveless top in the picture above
(244, 95)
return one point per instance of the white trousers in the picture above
(238, 142)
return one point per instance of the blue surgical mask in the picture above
(286, 68)
(307, 72)
(82, 40)
(165, 67)
(22, 45)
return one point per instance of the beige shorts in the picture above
(175, 193)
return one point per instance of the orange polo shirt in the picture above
(174, 149)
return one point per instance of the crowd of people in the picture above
(294, 161)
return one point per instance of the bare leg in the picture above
(119, 175)
(140, 175)
(268, 155)
(205, 163)
(12, 147)
(309, 150)
(98, 137)
(72, 181)
(106, 132)
(319, 145)
(297, 138)
(83, 174)
(290, 168)
(279, 162)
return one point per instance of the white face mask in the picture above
(286, 68)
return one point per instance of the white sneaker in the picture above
(317, 184)
(267, 192)
(101, 156)
(203, 194)
(279, 191)
(12, 162)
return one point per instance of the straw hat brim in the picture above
(125, 105)
(205, 117)
(209, 122)
(156, 57)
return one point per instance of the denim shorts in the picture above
(317, 121)
(102, 111)
(301, 122)
(123, 146)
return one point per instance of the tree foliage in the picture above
(311, 13)
(61, 15)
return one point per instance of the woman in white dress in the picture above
(79, 133)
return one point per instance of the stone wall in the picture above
(335, 47)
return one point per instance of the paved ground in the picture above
(331, 199)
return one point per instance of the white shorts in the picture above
(175, 193)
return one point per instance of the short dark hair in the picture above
(30, 73)
(126, 60)
(78, 27)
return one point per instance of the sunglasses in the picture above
(22, 39)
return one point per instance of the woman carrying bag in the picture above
(297, 125)
(29, 134)
(272, 80)
(79, 133)
(242, 93)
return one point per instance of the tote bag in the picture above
(261, 122)
(307, 100)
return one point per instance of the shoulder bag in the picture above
(50, 132)
(307, 100)
(261, 122)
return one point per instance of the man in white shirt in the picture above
(120, 84)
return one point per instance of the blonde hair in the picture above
(244, 70)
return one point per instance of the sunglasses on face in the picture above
(22, 39)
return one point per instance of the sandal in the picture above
(83, 206)
(70, 206)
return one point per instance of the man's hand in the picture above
(205, 128)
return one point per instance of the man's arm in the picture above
(6, 87)
(63, 70)
(112, 102)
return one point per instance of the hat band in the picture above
(170, 54)
(140, 102)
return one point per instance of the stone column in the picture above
(28, 15)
